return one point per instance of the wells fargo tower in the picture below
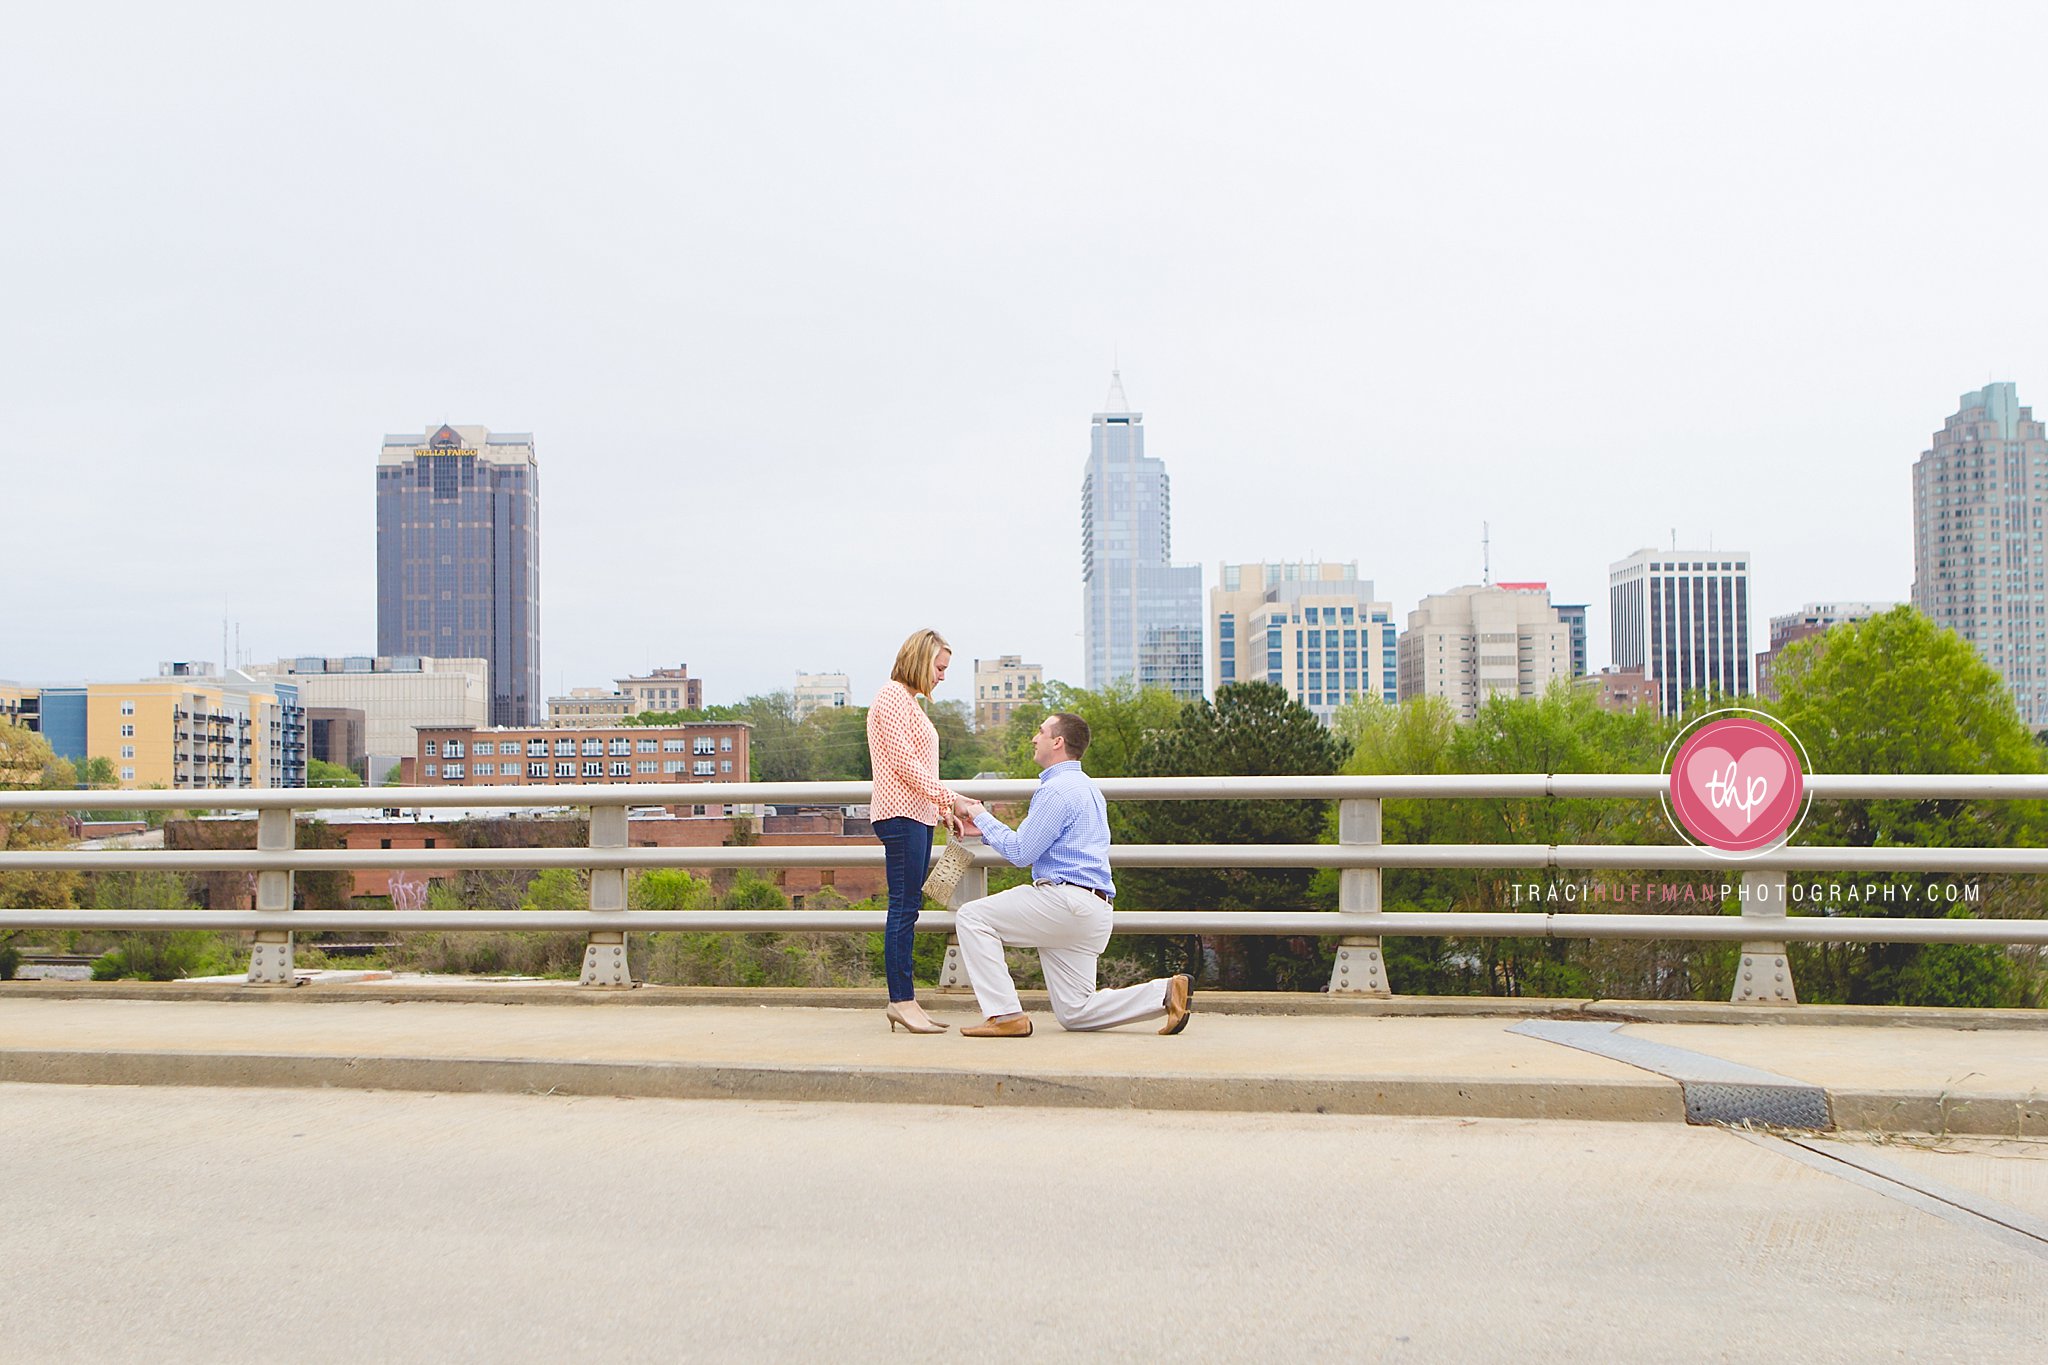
(458, 557)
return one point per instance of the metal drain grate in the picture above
(1715, 1090)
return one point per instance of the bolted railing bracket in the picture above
(952, 975)
(1764, 974)
(604, 961)
(270, 959)
(973, 886)
(1360, 968)
(604, 956)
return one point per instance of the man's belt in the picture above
(1091, 890)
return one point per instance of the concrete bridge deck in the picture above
(1963, 1072)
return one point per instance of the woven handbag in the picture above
(944, 882)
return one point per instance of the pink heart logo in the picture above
(1735, 791)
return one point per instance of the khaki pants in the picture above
(1069, 926)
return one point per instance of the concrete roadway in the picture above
(169, 1224)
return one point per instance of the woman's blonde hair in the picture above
(918, 661)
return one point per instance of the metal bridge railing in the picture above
(1359, 856)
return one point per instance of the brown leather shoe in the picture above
(1180, 1003)
(1020, 1027)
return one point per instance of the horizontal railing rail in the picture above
(1359, 857)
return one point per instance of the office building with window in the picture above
(1979, 566)
(1682, 617)
(395, 696)
(458, 557)
(1573, 614)
(1481, 641)
(820, 692)
(1001, 683)
(707, 751)
(1315, 629)
(1141, 614)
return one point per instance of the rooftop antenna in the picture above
(1486, 553)
(1674, 537)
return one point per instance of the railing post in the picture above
(1360, 968)
(1764, 975)
(604, 957)
(973, 886)
(270, 960)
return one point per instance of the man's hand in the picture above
(965, 808)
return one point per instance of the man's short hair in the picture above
(1072, 730)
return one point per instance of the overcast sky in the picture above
(808, 305)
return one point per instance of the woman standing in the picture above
(908, 804)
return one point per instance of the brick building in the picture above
(503, 756)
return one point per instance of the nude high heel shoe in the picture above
(898, 1017)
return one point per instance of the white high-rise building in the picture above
(1315, 629)
(1141, 614)
(1474, 642)
(1682, 617)
(1978, 564)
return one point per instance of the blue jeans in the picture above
(907, 853)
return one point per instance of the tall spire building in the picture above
(458, 557)
(1978, 562)
(1141, 615)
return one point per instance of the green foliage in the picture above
(557, 889)
(1251, 729)
(1891, 695)
(27, 763)
(321, 773)
(773, 959)
(1121, 718)
(392, 775)
(10, 961)
(749, 892)
(1562, 731)
(668, 888)
(169, 956)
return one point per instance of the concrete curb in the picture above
(1651, 1099)
(1212, 1002)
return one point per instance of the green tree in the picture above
(1251, 729)
(26, 764)
(95, 774)
(668, 888)
(557, 889)
(321, 773)
(1121, 718)
(1898, 695)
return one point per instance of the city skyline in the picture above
(1366, 308)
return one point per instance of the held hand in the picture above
(965, 808)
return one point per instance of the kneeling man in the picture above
(1064, 912)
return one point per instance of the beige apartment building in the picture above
(396, 694)
(697, 751)
(820, 692)
(1473, 642)
(187, 728)
(999, 684)
(588, 706)
(1316, 629)
(660, 689)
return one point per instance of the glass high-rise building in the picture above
(1141, 614)
(1979, 566)
(458, 557)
